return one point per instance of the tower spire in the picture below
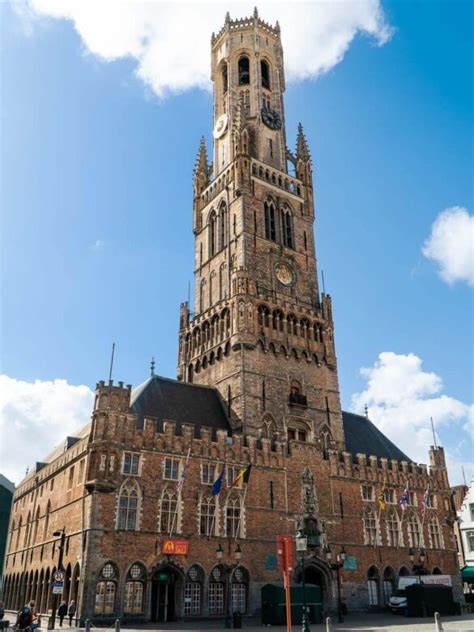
(201, 168)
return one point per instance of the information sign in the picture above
(350, 563)
(58, 588)
(173, 546)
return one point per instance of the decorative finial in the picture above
(366, 411)
(27, 470)
(152, 367)
(255, 13)
(227, 17)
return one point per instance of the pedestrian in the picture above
(62, 612)
(71, 611)
(25, 616)
(2, 610)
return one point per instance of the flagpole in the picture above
(425, 502)
(378, 528)
(180, 493)
(237, 531)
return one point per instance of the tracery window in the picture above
(128, 506)
(414, 534)
(370, 526)
(168, 513)
(435, 533)
(134, 590)
(193, 591)
(106, 590)
(270, 223)
(287, 232)
(233, 517)
(393, 528)
(238, 590)
(207, 515)
(216, 591)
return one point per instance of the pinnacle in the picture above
(302, 149)
(201, 160)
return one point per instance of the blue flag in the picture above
(216, 486)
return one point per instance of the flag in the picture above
(183, 473)
(381, 498)
(216, 486)
(424, 500)
(243, 475)
(404, 499)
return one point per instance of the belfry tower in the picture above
(261, 331)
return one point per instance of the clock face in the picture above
(271, 118)
(220, 127)
(284, 273)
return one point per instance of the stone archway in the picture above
(167, 584)
(317, 573)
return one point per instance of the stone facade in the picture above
(257, 384)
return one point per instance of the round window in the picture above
(193, 574)
(108, 571)
(216, 574)
(135, 571)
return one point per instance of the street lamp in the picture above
(228, 568)
(419, 567)
(302, 547)
(62, 534)
(339, 563)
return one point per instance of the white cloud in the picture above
(169, 41)
(97, 245)
(35, 417)
(451, 245)
(402, 397)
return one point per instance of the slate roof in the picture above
(362, 436)
(181, 402)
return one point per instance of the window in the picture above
(412, 499)
(212, 234)
(244, 71)
(393, 530)
(133, 602)
(225, 78)
(80, 478)
(390, 496)
(103, 462)
(265, 71)
(131, 463)
(216, 592)
(232, 471)
(70, 481)
(238, 590)
(208, 473)
(270, 225)
(431, 501)
(169, 508)
(171, 469)
(387, 590)
(370, 527)
(470, 540)
(291, 434)
(414, 531)
(301, 435)
(105, 597)
(373, 593)
(128, 506)
(471, 509)
(286, 229)
(232, 517)
(192, 592)
(435, 534)
(367, 492)
(270, 147)
(207, 516)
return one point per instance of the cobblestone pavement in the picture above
(353, 623)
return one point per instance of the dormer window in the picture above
(244, 71)
(265, 72)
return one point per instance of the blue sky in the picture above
(97, 242)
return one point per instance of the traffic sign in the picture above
(59, 576)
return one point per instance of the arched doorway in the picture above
(166, 594)
(317, 573)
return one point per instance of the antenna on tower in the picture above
(433, 431)
(112, 361)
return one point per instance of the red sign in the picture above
(286, 555)
(172, 546)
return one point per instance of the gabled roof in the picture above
(363, 437)
(181, 402)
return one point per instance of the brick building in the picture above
(257, 384)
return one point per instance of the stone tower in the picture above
(260, 332)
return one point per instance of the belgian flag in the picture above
(243, 475)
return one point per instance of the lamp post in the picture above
(302, 547)
(62, 534)
(339, 563)
(419, 567)
(228, 568)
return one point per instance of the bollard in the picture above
(328, 624)
(438, 624)
(88, 625)
(117, 625)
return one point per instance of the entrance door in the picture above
(163, 596)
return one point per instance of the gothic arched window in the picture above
(223, 226)
(207, 515)
(270, 225)
(414, 535)
(265, 70)
(134, 589)
(370, 526)
(233, 526)
(193, 590)
(435, 533)
(393, 528)
(225, 78)
(169, 511)
(286, 229)
(128, 506)
(212, 234)
(244, 70)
